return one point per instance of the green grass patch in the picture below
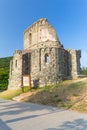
(10, 94)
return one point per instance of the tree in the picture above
(4, 72)
(84, 70)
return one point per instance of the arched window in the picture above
(46, 58)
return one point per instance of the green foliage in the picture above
(84, 70)
(4, 72)
(4, 62)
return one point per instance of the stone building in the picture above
(43, 58)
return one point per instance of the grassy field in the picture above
(71, 94)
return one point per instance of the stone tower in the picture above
(15, 70)
(43, 58)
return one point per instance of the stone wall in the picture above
(43, 58)
(41, 33)
(26, 63)
(44, 66)
(15, 75)
(75, 63)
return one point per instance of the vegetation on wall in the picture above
(4, 72)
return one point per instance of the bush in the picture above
(84, 70)
(4, 72)
(4, 80)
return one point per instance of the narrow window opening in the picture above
(16, 63)
(30, 38)
(46, 58)
(11, 67)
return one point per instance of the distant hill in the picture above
(4, 72)
(5, 62)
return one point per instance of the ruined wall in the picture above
(44, 67)
(69, 63)
(50, 65)
(41, 39)
(15, 71)
(62, 62)
(40, 34)
(74, 63)
(26, 63)
(43, 58)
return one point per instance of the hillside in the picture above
(4, 72)
(5, 62)
(71, 94)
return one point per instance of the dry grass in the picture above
(10, 94)
(68, 94)
(71, 94)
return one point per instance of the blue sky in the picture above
(68, 17)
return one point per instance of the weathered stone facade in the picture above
(15, 70)
(43, 58)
